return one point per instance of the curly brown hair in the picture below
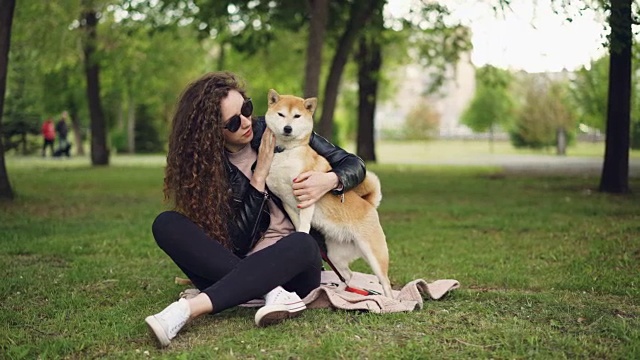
(195, 175)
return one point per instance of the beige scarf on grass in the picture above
(332, 294)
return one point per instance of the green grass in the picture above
(416, 151)
(548, 268)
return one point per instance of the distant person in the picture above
(62, 130)
(49, 135)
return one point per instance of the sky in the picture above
(527, 37)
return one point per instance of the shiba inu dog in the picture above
(349, 224)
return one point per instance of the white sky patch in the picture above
(527, 37)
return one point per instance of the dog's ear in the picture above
(274, 97)
(310, 104)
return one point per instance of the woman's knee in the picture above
(164, 225)
(304, 244)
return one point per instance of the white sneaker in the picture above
(279, 305)
(166, 324)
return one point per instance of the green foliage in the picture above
(545, 111)
(147, 67)
(146, 136)
(345, 118)
(143, 64)
(19, 135)
(150, 50)
(422, 122)
(428, 35)
(589, 91)
(560, 281)
(23, 108)
(493, 103)
(278, 65)
(118, 140)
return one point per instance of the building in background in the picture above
(412, 84)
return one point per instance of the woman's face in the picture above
(230, 107)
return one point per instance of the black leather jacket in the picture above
(250, 218)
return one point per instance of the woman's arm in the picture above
(250, 217)
(251, 213)
(348, 170)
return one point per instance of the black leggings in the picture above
(294, 262)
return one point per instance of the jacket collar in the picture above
(259, 125)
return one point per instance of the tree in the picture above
(615, 171)
(137, 89)
(545, 116)
(22, 106)
(6, 19)
(46, 72)
(318, 11)
(424, 36)
(359, 14)
(492, 104)
(99, 149)
(369, 58)
(589, 93)
(422, 122)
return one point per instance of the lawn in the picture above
(478, 150)
(549, 268)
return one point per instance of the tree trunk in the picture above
(6, 19)
(131, 127)
(77, 131)
(318, 11)
(491, 139)
(23, 141)
(561, 142)
(615, 171)
(222, 56)
(99, 150)
(360, 12)
(369, 64)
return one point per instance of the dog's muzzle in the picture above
(287, 130)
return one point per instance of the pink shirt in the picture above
(280, 225)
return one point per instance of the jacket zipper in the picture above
(255, 226)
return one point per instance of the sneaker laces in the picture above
(276, 296)
(282, 296)
(174, 317)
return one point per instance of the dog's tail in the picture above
(370, 189)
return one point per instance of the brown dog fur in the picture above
(351, 227)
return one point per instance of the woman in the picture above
(227, 233)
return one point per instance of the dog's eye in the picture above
(280, 114)
(296, 116)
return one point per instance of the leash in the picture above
(348, 288)
(323, 254)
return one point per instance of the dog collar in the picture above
(278, 149)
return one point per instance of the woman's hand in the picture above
(310, 186)
(265, 158)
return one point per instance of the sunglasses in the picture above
(234, 122)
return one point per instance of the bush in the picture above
(22, 134)
(147, 137)
(545, 109)
(119, 140)
(421, 123)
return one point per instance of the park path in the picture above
(533, 164)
